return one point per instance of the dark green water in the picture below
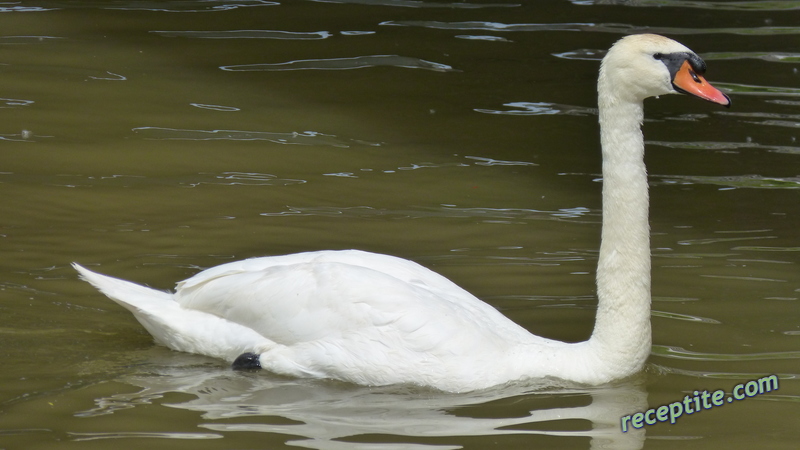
(156, 138)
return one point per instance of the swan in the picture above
(374, 319)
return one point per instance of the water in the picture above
(153, 139)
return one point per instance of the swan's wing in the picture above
(325, 295)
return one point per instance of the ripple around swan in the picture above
(667, 351)
(358, 62)
(247, 34)
(304, 138)
(686, 317)
(330, 415)
(725, 376)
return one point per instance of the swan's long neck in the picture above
(621, 336)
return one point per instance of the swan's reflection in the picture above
(327, 413)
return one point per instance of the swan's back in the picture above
(310, 296)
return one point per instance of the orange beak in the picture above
(688, 81)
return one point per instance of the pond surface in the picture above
(151, 139)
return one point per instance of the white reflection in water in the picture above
(325, 414)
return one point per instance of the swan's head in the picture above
(648, 65)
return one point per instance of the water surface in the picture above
(151, 139)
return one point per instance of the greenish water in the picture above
(151, 139)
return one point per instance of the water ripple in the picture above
(720, 240)
(138, 434)
(358, 62)
(751, 181)
(304, 138)
(686, 317)
(165, 6)
(587, 54)
(482, 37)
(583, 54)
(423, 4)
(481, 161)
(751, 89)
(721, 375)
(243, 179)
(726, 146)
(688, 355)
(493, 215)
(540, 109)
(765, 56)
(767, 249)
(14, 102)
(26, 39)
(740, 278)
(247, 34)
(618, 28)
(757, 5)
(770, 119)
(215, 107)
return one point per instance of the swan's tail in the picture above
(176, 327)
(135, 298)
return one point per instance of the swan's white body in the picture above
(375, 320)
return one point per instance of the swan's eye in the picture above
(658, 56)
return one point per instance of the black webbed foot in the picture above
(246, 361)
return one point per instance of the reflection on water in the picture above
(330, 415)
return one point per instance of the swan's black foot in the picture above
(247, 361)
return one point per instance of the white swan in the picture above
(375, 320)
